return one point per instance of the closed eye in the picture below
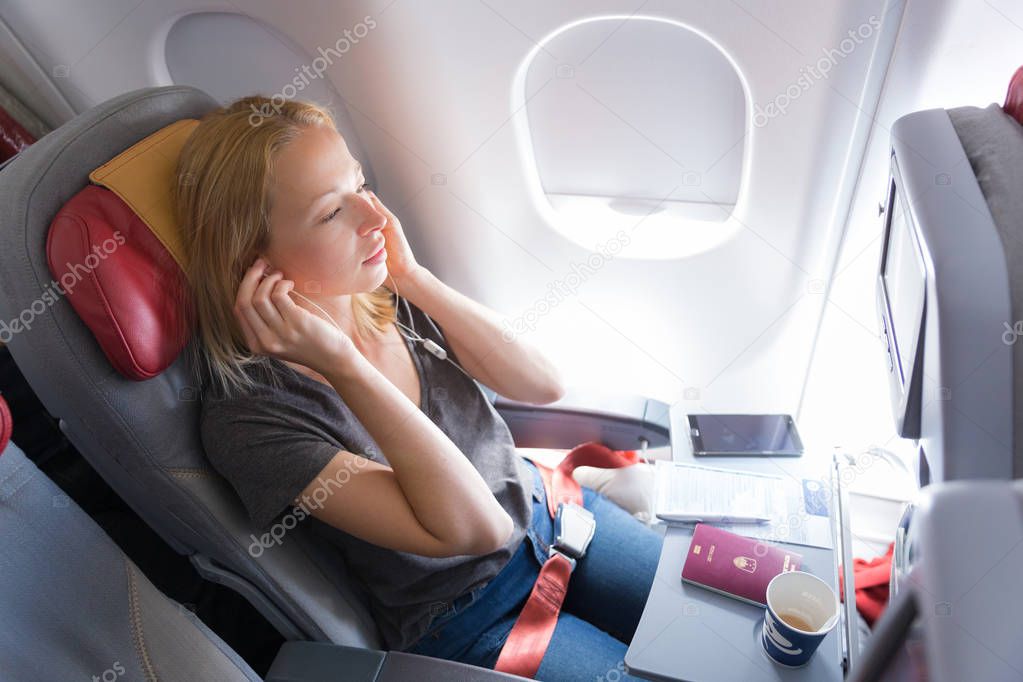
(333, 214)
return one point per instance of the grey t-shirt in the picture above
(272, 443)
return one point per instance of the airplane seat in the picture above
(75, 607)
(142, 436)
(967, 542)
(950, 300)
(950, 288)
(109, 367)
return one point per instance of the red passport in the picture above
(735, 565)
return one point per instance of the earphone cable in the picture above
(431, 346)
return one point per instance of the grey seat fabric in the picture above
(75, 607)
(993, 142)
(308, 661)
(143, 437)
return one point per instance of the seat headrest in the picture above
(118, 256)
(1014, 97)
(142, 176)
(6, 424)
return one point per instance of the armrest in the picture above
(619, 421)
(304, 661)
(402, 667)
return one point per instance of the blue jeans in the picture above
(606, 595)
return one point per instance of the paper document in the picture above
(797, 509)
(686, 490)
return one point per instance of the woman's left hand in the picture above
(400, 260)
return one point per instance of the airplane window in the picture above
(632, 116)
(232, 55)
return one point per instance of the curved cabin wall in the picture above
(231, 55)
(951, 53)
(721, 315)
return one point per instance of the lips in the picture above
(375, 253)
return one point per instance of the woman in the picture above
(315, 396)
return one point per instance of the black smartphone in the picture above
(744, 435)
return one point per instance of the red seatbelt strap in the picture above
(527, 642)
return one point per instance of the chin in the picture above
(366, 286)
(381, 278)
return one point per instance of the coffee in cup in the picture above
(801, 610)
(796, 621)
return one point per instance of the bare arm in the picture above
(430, 501)
(505, 363)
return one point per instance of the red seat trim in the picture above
(6, 424)
(1014, 97)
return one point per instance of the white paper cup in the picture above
(806, 597)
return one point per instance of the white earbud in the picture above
(429, 345)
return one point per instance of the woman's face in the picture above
(322, 223)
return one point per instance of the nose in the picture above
(372, 219)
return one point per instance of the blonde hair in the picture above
(222, 205)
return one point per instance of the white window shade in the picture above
(641, 116)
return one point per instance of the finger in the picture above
(268, 332)
(250, 280)
(243, 305)
(290, 311)
(264, 335)
(380, 205)
(249, 337)
(262, 303)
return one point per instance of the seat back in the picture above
(75, 607)
(142, 436)
(960, 565)
(950, 288)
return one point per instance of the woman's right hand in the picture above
(273, 324)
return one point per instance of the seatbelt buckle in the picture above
(574, 527)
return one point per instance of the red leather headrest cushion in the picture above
(6, 424)
(122, 282)
(1014, 97)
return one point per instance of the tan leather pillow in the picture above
(143, 175)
